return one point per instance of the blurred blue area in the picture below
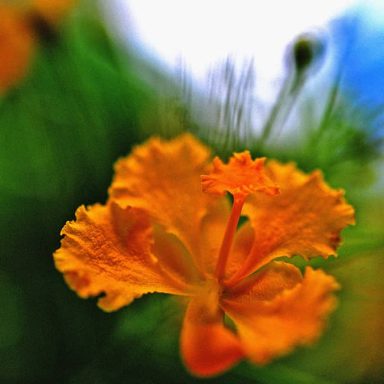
(359, 42)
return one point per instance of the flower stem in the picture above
(230, 231)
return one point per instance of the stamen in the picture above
(230, 231)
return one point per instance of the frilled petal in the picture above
(108, 250)
(279, 309)
(207, 346)
(305, 219)
(240, 177)
(163, 179)
(16, 46)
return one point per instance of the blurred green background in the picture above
(84, 102)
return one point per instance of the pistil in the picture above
(230, 231)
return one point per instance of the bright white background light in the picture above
(205, 32)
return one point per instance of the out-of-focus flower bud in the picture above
(305, 53)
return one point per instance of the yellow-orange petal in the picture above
(267, 283)
(212, 231)
(163, 178)
(174, 258)
(271, 326)
(240, 177)
(207, 346)
(17, 43)
(107, 250)
(242, 246)
(305, 219)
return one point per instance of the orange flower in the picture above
(18, 34)
(159, 232)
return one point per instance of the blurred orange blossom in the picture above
(19, 33)
(165, 228)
